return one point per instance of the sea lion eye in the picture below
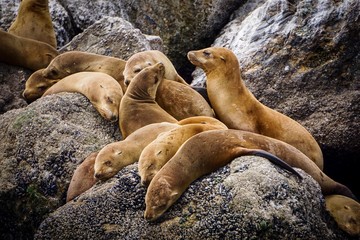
(42, 88)
(207, 53)
(53, 72)
(137, 70)
(107, 163)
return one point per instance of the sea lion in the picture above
(202, 120)
(34, 21)
(36, 85)
(25, 52)
(101, 89)
(83, 177)
(115, 156)
(181, 101)
(141, 60)
(138, 107)
(346, 212)
(157, 153)
(76, 61)
(207, 151)
(237, 107)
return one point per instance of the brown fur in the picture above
(76, 61)
(115, 156)
(83, 178)
(138, 107)
(236, 106)
(207, 151)
(101, 89)
(25, 52)
(34, 21)
(346, 213)
(141, 60)
(158, 152)
(36, 85)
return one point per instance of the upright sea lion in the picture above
(25, 52)
(83, 177)
(76, 61)
(346, 213)
(36, 85)
(141, 60)
(102, 90)
(34, 21)
(237, 107)
(157, 153)
(115, 156)
(207, 151)
(138, 107)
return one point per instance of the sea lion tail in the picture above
(274, 159)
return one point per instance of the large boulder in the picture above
(302, 58)
(247, 199)
(113, 36)
(41, 146)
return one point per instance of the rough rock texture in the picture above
(248, 199)
(12, 84)
(303, 59)
(183, 25)
(41, 145)
(113, 36)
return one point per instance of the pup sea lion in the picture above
(115, 156)
(138, 107)
(76, 61)
(346, 212)
(34, 21)
(237, 107)
(25, 52)
(101, 89)
(36, 85)
(158, 152)
(141, 60)
(83, 177)
(207, 151)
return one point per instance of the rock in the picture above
(41, 146)
(302, 59)
(248, 199)
(12, 84)
(113, 36)
(183, 26)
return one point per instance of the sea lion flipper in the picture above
(274, 159)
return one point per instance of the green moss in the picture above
(22, 119)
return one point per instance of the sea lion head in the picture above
(159, 198)
(107, 102)
(211, 58)
(135, 64)
(111, 159)
(148, 79)
(36, 86)
(55, 70)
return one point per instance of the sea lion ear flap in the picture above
(223, 58)
(174, 194)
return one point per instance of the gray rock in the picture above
(12, 84)
(248, 199)
(113, 36)
(41, 146)
(302, 59)
(183, 26)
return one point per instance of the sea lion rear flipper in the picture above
(274, 159)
